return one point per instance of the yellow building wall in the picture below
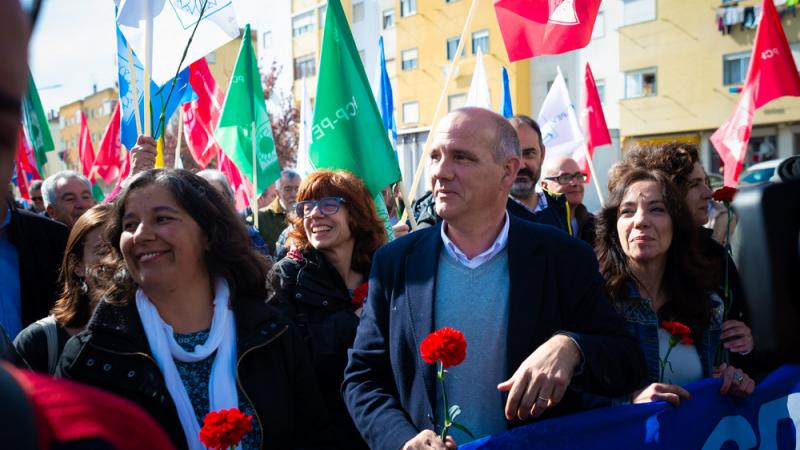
(428, 31)
(225, 60)
(96, 119)
(684, 45)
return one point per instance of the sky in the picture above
(74, 47)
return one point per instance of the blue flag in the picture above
(506, 110)
(158, 95)
(385, 98)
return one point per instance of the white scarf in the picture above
(222, 339)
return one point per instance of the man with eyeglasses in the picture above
(544, 207)
(563, 175)
(36, 197)
(272, 219)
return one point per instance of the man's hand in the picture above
(542, 379)
(737, 336)
(656, 392)
(143, 155)
(428, 440)
(400, 230)
(734, 381)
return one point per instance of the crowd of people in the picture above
(311, 322)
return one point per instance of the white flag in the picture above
(173, 22)
(561, 130)
(479, 88)
(304, 166)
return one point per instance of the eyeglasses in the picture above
(327, 206)
(566, 178)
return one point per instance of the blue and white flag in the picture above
(561, 130)
(767, 419)
(172, 24)
(506, 110)
(384, 96)
(158, 95)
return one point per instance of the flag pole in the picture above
(593, 174)
(148, 59)
(132, 68)
(404, 196)
(254, 204)
(180, 136)
(439, 104)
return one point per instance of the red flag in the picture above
(20, 161)
(200, 116)
(545, 27)
(107, 163)
(85, 148)
(241, 187)
(27, 157)
(125, 172)
(772, 74)
(593, 121)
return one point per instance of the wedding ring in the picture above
(737, 377)
(543, 398)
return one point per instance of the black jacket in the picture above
(40, 244)
(272, 370)
(312, 293)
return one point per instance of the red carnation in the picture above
(724, 194)
(680, 334)
(225, 429)
(359, 295)
(446, 345)
(295, 255)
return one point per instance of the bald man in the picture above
(528, 298)
(561, 174)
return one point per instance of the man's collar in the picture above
(498, 245)
(276, 206)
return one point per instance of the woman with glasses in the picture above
(184, 329)
(321, 284)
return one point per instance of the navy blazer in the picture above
(555, 287)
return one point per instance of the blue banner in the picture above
(768, 419)
(506, 110)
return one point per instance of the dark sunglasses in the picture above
(566, 178)
(327, 206)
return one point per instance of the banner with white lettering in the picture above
(768, 419)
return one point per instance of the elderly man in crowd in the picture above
(272, 219)
(67, 195)
(562, 174)
(528, 298)
(36, 197)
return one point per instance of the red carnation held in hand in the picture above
(225, 429)
(724, 194)
(359, 295)
(679, 331)
(446, 345)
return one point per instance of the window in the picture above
(601, 90)
(211, 58)
(302, 23)
(408, 59)
(550, 83)
(411, 112)
(637, 11)
(358, 12)
(388, 19)
(456, 101)
(734, 68)
(450, 1)
(796, 54)
(305, 66)
(266, 39)
(408, 7)
(452, 46)
(599, 26)
(321, 15)
(480, 39)
(640, 83)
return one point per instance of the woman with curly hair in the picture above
(41, 343)
(647, 248)
(680, 161)
(183, 328)
(321, 284)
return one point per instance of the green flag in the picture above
(347, 131)
(36, 126)
(244, 110)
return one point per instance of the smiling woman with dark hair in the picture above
(184, 329)
(321, 284)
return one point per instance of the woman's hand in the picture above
(737, 336)
(734, 381)
(143, 155)
(670, 393)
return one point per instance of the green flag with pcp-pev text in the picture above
(347, 130)
(36, 126)
(243, 111)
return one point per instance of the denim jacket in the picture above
(641, 319)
